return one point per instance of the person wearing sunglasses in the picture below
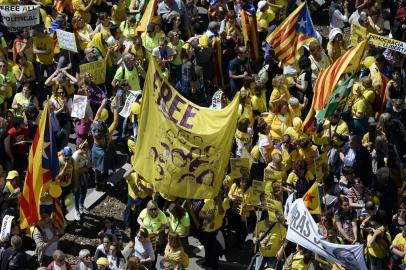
(86, 261)
(154, 220)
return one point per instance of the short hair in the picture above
(383, 172)
(83, 253)
(16, 242)
(58, 254)
(143, 232)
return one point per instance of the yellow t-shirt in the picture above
(298, 262)
(378, 248)
(44, 43)
(360, 106)
(66, 179)
(179, 226)
(150, 42)
(118, 13)
(128, 31)
(247, 198)
(77, 6)
(217, 222)
(274, 238)
(399, 242)
(28, 71)
(264, 18)
(259, 102)
(150, 223)
(134, 190)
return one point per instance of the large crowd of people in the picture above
(357, 155)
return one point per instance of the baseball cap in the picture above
(12, 174)
(67, 151)
(102, 261)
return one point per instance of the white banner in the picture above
(132, 97)
(66, 40)
(79, 106)
(6, 227)
(18, 17)
(303, 230)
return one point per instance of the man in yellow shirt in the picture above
(270, 237)
(43, 47)
(212, 214)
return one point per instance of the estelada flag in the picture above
(311, 199)
(182, 149)
(249, 31)
(327, 80)
(43, 166)
(295, 31)
(213, 6)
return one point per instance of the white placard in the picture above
(66, 40)
(303, 230)
(6, 227)
(132, 97)
(79, 106)
(19, 17)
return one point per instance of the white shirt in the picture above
(338, 20)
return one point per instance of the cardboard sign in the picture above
(19, 17)
(66, 40)
(257, 190)
(97, 69)
(79, 106)
(274, 207)
(239, 165)
(387, 43)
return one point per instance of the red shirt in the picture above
(18, 136)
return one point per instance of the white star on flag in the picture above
(302, 23)
(44, 154)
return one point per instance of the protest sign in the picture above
(387, 43)
(19, 17)
(66, 40)
(79, 106)
(131, 98)
(358, 33)
(185, 148)
(6, 227)
(271, 174)
(239, 166)
(97, 69)
(257, 190)
(274, 208)
(304, 231)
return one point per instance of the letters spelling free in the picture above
(178, 113)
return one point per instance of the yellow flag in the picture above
(182, 149)
(311, 199)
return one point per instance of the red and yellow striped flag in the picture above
(328, 78)
(58, 216)
(250, 32)
(295, 31)
(43, 166)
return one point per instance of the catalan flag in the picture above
(43, 166)
(213, 6)
(311, 199)
(249, 30)
(295, 31)
(58, 215)
(327, 80)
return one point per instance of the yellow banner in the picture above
(97, 69)
(388, 43)
(183, 149)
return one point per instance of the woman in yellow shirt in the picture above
(336, 46)
(23, 70)
(128, 27)
(232, 26)
(301, 259)
(279, 93)
(23, 46)
(240, 218)
(83, 31)
(279, 121)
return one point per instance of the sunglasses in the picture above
(152, 209)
